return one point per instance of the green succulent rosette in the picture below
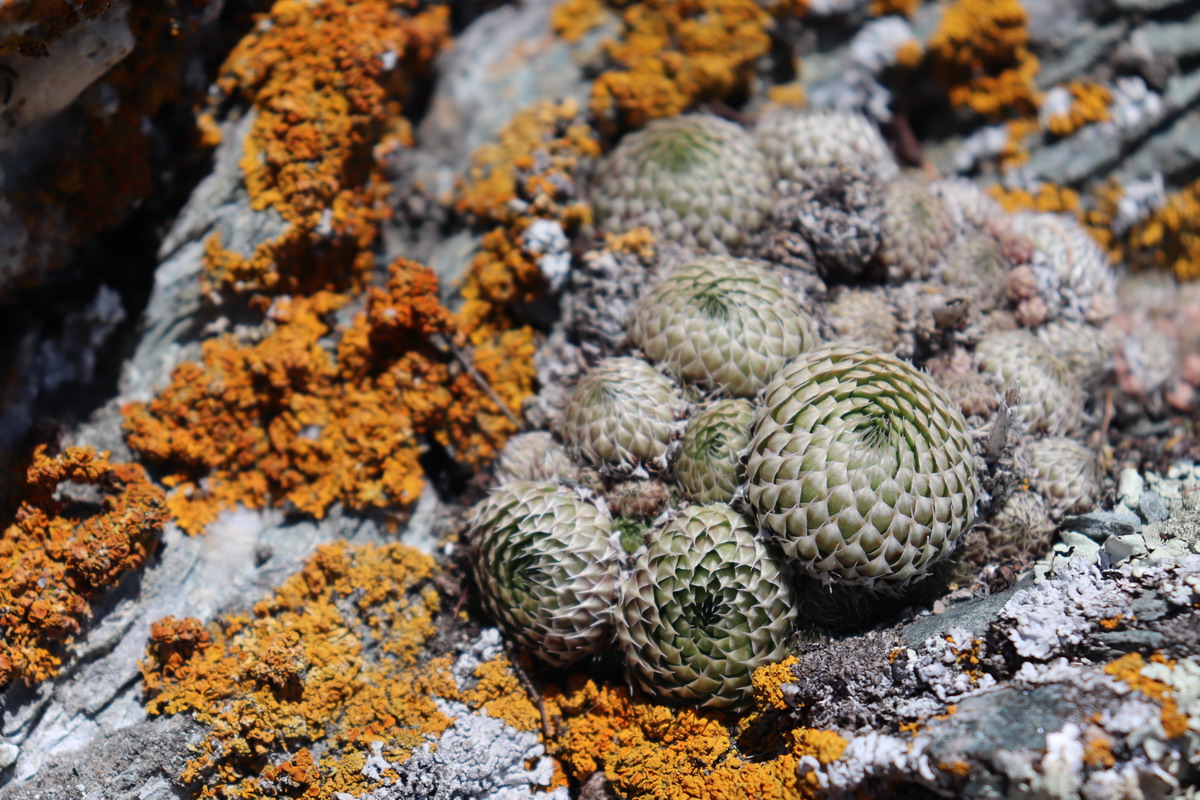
(707, 603)
(860, 467)
(709, 466)
(623, 417)
(721, 323)
(695, 180)
(547, 568)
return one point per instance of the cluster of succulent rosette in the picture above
(833, 372)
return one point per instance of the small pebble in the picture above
(1152, 507)
(1130, 487)
(8, 754)
(1099, 525)
(1120, 548)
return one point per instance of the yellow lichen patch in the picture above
(528, 174)
(881, 8)
(282, 419)
(789, 95)
(1089, 103)
(980, 54)
(64, 548)
(1129, 669)
(499, 693)
(671, 54)
(1097, 752)
(326, 81)
(305, 667)
(1169, 238)
(960, 769)
(1048, 197)
(768, 684)
(660, 753)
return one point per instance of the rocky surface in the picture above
(1034, 691)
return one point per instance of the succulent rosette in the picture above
(721, 323)
(709, 465)
(706, 604)
(695, 180)
(547, 568)
(624, 417)
(861, 467)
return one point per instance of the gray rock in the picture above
(1099, 525)
(1152, 507)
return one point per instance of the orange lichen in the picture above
(1169, 238)
(333, 656)
(1089, 103)
(789, 95)
(324, 96)
(82, 524)
(1097, 752)
(768, 684)
(1048, 197)
(671, 54)
(959, 768)
(881, 8)
(283, 419)
(1112, 623)
(574, 19)
(660, 753)
(1129, 669)
(980, 54)
(527, 174)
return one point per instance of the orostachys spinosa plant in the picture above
(546, 567)
(730, 431)
(705, 604)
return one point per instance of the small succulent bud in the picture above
(916, 230)
(1086, 349)
(1051, 397)
(706, 604)
(547, 568)
(534, 456)
(1087, 282)
(623, 417)
(866, 316)
(860, 466)
(709, 465)
(639, 499)
(975, 266)
(1067, 474)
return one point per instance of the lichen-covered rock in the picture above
(796, 142)
(623, 417)
(695, 180)
(534, 456)
(546, 568)
(1067, 473)
(709, 465)
(706, 604)
(861, 467)
(916, 230)
(721, 323)
(1051, 397)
